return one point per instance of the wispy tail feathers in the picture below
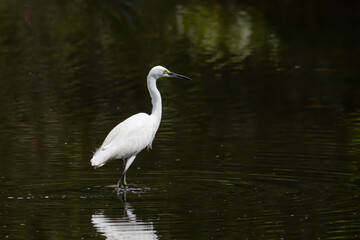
(100, 157)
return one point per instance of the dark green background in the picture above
(262, 144)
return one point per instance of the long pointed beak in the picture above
(171, 74)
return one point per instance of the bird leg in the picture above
(122, 180)
(127, 163)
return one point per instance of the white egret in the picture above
(137, 132)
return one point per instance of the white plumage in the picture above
(127, 139)
(137, 132)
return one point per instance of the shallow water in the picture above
(262, 144)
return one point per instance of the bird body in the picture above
(127, 139)
(135, 133)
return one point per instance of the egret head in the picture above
(160, 71)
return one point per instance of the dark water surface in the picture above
(262, 144)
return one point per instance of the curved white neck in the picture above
(155, 97)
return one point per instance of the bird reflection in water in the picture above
(125, 226)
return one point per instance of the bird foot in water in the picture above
(121, 184)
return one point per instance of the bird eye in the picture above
(166, 71)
